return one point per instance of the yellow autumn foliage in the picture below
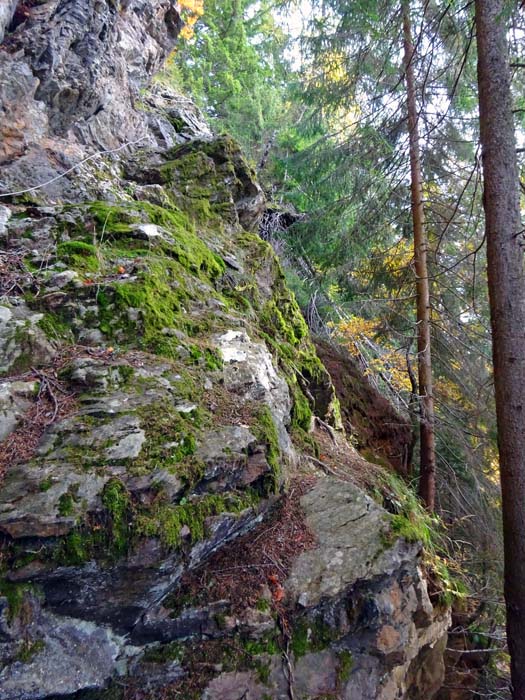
(448, 391)
(190, 11)
(399, 257)
(391, 365)
(393, 262)
(354, 331)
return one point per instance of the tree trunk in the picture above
(427, 474)
(507, 308)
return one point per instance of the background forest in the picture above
(317, 96)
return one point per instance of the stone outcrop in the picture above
(157, 393)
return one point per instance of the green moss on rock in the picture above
(161, 653)
(54, 326)
(116, 500)
(29, 649)
(182, 242)
(15, 594)
(311, 636)
(266, 433)
(167, 521)
(45, 484)
(75, 549)
(66, 505)
(79, 255)
(171, 441)
(346, 663)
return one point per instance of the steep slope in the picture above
(165, 525)
(379, 431)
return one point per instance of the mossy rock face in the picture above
(213, 179)
(182, 368)
(194, 380)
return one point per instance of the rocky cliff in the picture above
(180, 512)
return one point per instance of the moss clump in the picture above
(104, 537)
(185, 245)
(301, 410)
(203, 175)
(45, 484)
(15, 594)
(208, 357)
(126, 372)
(346, 663)
(171, 271)
(79, 255)
(29, 649)
(267, 644)
(116, 500)
(263, 605)
(311, 636)
(283, 316)
(159, 294)
(66, 505)
(174, 651)
(171, 441)
(409, 520)
(266, 432)
(67, 501)
(166, 521)
(412, 528)
(414, 523)
(75, 549)
(54, 326)
(212, 360)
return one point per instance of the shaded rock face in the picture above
(151, 338)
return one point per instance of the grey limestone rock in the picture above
(250, 372)
(15, 399)
(232, 458)
(22, 341)
(350, 529)
(361, 608)
(71, 74)
(31, 499)
(63, 656)
(7, 10)
(107, 516)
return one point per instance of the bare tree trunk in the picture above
(506, 281)
(427, 478)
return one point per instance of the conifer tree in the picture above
(427, 470)
(506, 280)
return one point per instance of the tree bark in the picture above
(506, 282)
(427, 473)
